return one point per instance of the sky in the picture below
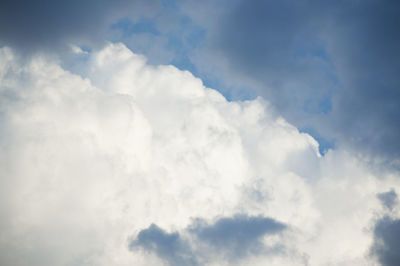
(173, 132)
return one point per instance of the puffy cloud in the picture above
(90, 163)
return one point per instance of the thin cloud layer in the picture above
(88, 164)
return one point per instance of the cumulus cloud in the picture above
(91, 162)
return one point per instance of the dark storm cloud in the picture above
(389, 199)
(168, 246)
(43, 24)
(332, 66)
(233, 237)
(364, 41)
(238, 235)
(386, 245)
(276, 43)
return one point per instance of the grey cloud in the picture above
(238, 235)
(233, 237)
(329, 66)
(168, 246)
(364, 45)
(35, 25)
(386, 245)
(389, 199)
(276, 44)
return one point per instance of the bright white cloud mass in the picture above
(134, 164)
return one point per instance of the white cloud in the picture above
(87, 163)
(77, 50)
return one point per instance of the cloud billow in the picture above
(95, 160)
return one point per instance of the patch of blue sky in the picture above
(181, 41)
(230, 93)
(129, 28)
(320, 60)
(169, 4)
(325, 144)
(323, 105)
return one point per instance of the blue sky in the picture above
(294, 69)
